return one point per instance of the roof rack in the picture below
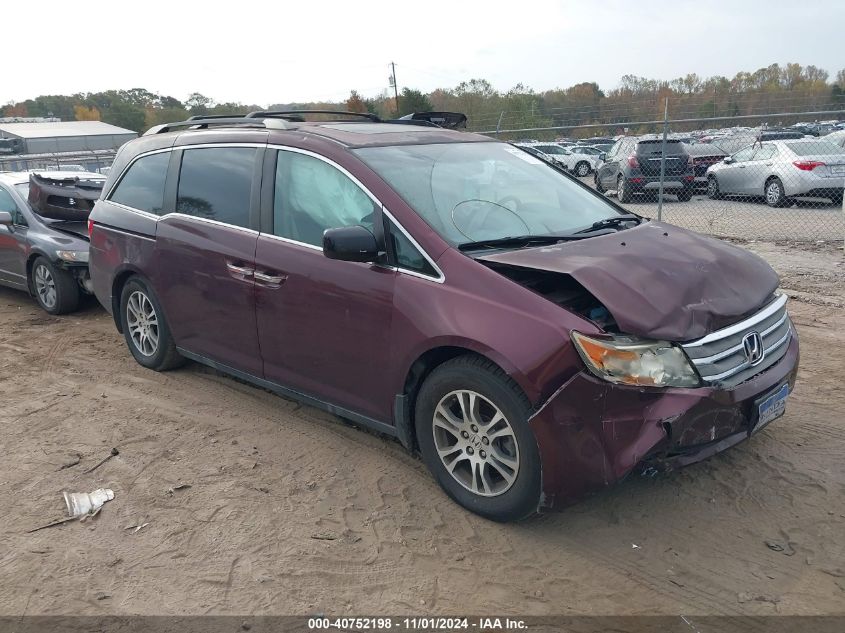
(200, 122)
(276, 119)
(296, 115)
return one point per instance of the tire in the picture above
(145, 328)
(500, 490)
(597, 182)
(713, 188)
(685, 194)
(55, 290)
(775, 194)
(623, 191)
(582, 169)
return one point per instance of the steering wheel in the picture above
(473, 217)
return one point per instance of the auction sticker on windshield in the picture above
(771, 408)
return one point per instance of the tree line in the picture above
(788, 89)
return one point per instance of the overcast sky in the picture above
(279, 52)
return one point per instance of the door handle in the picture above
(239, 271)
(270, 280)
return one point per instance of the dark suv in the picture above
(531, 339)
(632, 166)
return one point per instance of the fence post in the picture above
(499, 124)
(663, 160)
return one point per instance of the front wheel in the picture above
(472, 428)
(145, 329)
(55, 290)
(582, 169)
(623, 190)
(597, 182)
(685, 194)
(713, 188)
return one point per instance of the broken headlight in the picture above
(73, 256)
(630, 360)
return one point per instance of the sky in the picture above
(282, 52)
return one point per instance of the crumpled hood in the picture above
(657, 280)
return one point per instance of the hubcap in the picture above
(773, 193)
(142, 322)
(45, 286)
(583, 169)
(476, 443)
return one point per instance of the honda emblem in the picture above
(752, 343)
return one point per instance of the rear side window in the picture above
(815, 148)
(312, 196)
(215, 183)
(142, 187)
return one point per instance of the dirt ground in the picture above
(291, 511)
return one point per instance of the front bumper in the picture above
(592, 433)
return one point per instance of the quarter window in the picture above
(142, 187)
(407, 255)
(312, 196)
(216, 183)
(7, 203)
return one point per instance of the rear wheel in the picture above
(775, 193)
(55, 290)
(623, 190)
(582, 169)
(145, 328)
(685, 194)
(472, 428)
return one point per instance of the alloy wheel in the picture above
(712, 188)
(476, 443)
(142, 321)
(45, 286)
(582, 169)
(773, 193)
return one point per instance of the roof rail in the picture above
(296, 115)
(203, 122)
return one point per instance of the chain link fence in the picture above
(767, 176)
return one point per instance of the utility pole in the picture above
(395, 85)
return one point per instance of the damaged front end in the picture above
(666, 381)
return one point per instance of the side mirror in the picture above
(5, 218)
(350, 244)
(728, 159)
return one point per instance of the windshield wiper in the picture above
(608, 223)
(517, 241)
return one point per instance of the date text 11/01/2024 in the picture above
(416, 624)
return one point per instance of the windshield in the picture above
(815, 148)
(481, 191)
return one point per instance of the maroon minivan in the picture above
(532, 340)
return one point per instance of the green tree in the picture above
(411, 101)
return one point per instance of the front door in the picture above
(323, 325)
(12, 243)
(206, 256)
(732, 175)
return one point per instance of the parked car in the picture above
(44, 244)
(838, 138)
(531, 339)
(632, 166)
(549, 151)
(781, 170)
(704, 155)
(581, 160)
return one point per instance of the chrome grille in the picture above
(721, 357)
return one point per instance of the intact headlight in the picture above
(631, 360)
(73, 256)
